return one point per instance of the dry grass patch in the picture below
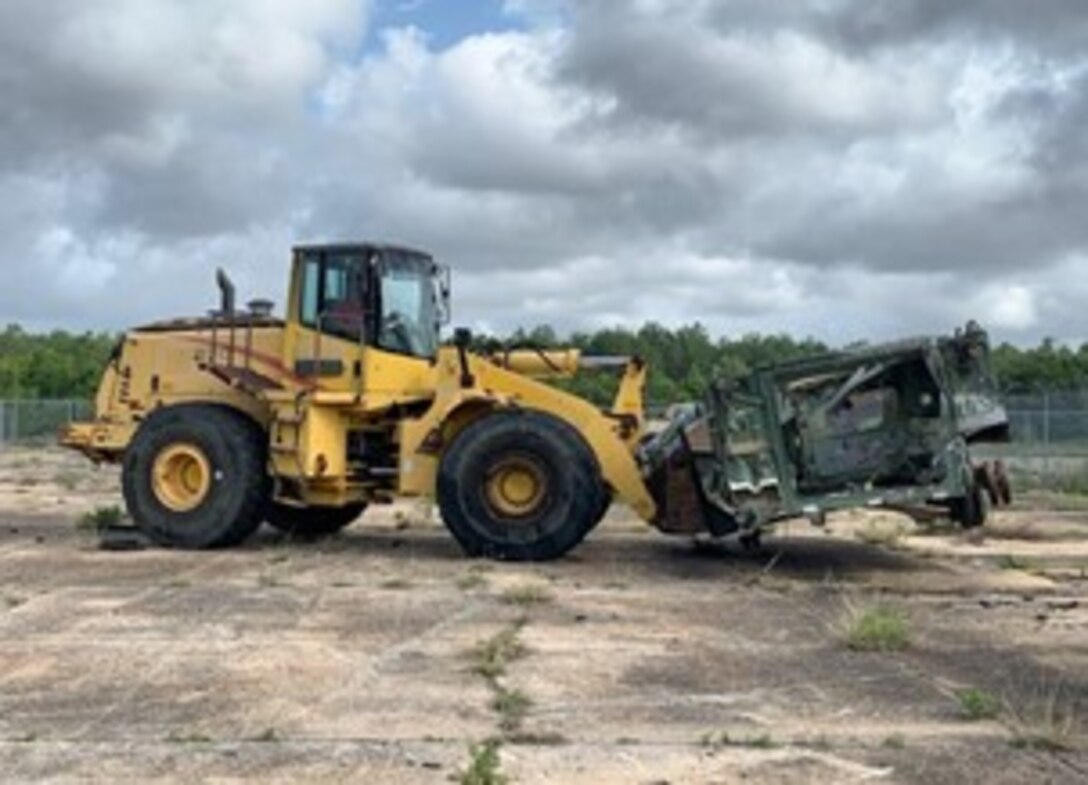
(1010, 561)
(188, 737)
(722, 739)
(267, 735)
(68, 480)
(527, 594)
(1048, 723)
(472, 580)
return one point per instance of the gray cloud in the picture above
(842, 167)
(942, 143)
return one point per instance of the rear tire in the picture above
(519, 486)
(312, 522)
(195, 477)
(972, 510)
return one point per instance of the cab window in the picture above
(409, 323)
(332, 295)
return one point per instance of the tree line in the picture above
(682, 361)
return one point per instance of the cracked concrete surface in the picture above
(348, 660)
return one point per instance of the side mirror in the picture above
(462, 338)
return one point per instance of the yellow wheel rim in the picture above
(181, 477)
(515, 487)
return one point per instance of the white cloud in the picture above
(1010, 307)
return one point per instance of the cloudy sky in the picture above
(838, 168)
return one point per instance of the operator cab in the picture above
(394, 299)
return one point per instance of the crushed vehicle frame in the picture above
(888, 426)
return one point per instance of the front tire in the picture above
(312, 522)
(519, 486)
(194, 477)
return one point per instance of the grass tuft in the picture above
(511, 706)
(979, 704)
(491, 657)
(68, 480)
(101, 518)
(536, 739)
(528, 594)
(896, 741)
(1010, 561)
(485, 765)
(723, 739)
(472, 580)
(877, 629)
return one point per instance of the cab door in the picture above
(333, 318)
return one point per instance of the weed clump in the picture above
(101, 518)
(485, 765)
(490, 657)
(511, 706)
(979, 704)
(877, 629)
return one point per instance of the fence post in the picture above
(3, 422)
(13, 435)
(1046, 437)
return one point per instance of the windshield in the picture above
(409, 319)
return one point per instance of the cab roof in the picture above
(358, 247)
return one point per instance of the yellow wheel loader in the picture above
(226, 421)
(236, 418)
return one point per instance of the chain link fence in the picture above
(1049, 448)
(28, 422)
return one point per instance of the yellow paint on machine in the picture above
(413, 407)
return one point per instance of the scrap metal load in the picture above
(885, 426)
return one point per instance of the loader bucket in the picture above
(678, 461)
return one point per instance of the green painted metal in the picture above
(877, 426)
